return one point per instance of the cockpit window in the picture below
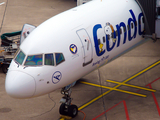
(52, 59)
(59, 58)
(20, 57)
(34, 60)
(49, 59)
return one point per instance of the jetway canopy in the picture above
(158, 18)
(149, 10)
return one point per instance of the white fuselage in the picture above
(88, 36)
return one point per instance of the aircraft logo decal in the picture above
(56, 77)
(73, 48)
(101, 47)
(113, 36)
(108, 31)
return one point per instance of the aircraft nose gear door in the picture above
(86, 46)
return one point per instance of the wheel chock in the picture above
(63, 117)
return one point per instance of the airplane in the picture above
(72, 44)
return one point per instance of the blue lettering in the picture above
(101, 60)
(122, 24)
(113, 37)
(107, 42)
(95, 29)
(135, 28)
(139, 20)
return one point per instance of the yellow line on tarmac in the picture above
(134, 86)
(110, 88)
(141, 72)
(95, 99)
(132, 77)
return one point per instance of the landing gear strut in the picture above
(66, 107)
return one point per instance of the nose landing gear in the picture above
(66, 108)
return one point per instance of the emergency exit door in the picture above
(86, 46)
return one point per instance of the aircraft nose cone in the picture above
(19, 84)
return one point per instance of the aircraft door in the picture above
(86, 46)
(26, 30)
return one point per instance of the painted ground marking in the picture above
(130, 78)
(125, 106)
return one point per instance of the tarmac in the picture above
(97, 98)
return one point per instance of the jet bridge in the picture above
(158, 18)
(151, 11)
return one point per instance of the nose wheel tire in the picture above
(72, 111)
(68, 110)
(62, 109)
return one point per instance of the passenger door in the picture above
(86, 46)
